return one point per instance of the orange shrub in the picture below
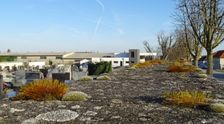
(180, 67)
(187, 98)
(42, 90)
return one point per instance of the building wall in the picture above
(222, 63)
(216, 63)
(116, 62)
(46, 59)
(10, 64)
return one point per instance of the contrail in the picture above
(100, 18)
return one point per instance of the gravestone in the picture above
(61, 76)
(20, 78)
(31, 76)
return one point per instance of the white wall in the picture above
(10, 64)
(35, 64)
(222, 63)
(116, 62)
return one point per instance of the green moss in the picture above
(217, 107)
(75, 96)
(202, 75)
(86, 78)
(104, 77)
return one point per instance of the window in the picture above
(132, 54)
(58, 57)
(132, 62)
(115, 61)
(43, 57)
(142, 57)
(127, 62)
(23, 57)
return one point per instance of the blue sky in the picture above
(82, 25)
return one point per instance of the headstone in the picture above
(61, 76)
(20, 78)
(45, 72)
(31, 76)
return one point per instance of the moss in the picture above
(217, 107)
(104, 77)
(86, 78)
(202, 75)
(75, 96)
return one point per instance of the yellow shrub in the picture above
(149, 64)
(42, 90)
(187, 98)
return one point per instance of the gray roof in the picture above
(86, 55)
(34, 54)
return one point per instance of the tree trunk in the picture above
(195, 61)
(210, 62)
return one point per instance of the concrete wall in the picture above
(134, 56)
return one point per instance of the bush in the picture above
(187, 98)
(146, 64)
(86, 78)
(75, 96)
(181, 67)
(41, 90)
(217, 107)
(104, 77)
(99, 68)
(149, 64)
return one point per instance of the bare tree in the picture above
(179, 49)
(210, 15)
(147, 47)
(165, 44)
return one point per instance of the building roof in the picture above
(34, 54)
(219, 54)
(86, 55)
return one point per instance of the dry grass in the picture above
(41, 90)
(149, 64)
(187, 98)
(181, 67)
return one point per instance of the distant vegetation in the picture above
(7, 58)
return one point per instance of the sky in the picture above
(83, 25)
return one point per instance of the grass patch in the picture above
(75, 96)
(187, 98)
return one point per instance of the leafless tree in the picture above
(206, 21)
(165, 44)
(147, 47)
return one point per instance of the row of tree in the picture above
(200, 26)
